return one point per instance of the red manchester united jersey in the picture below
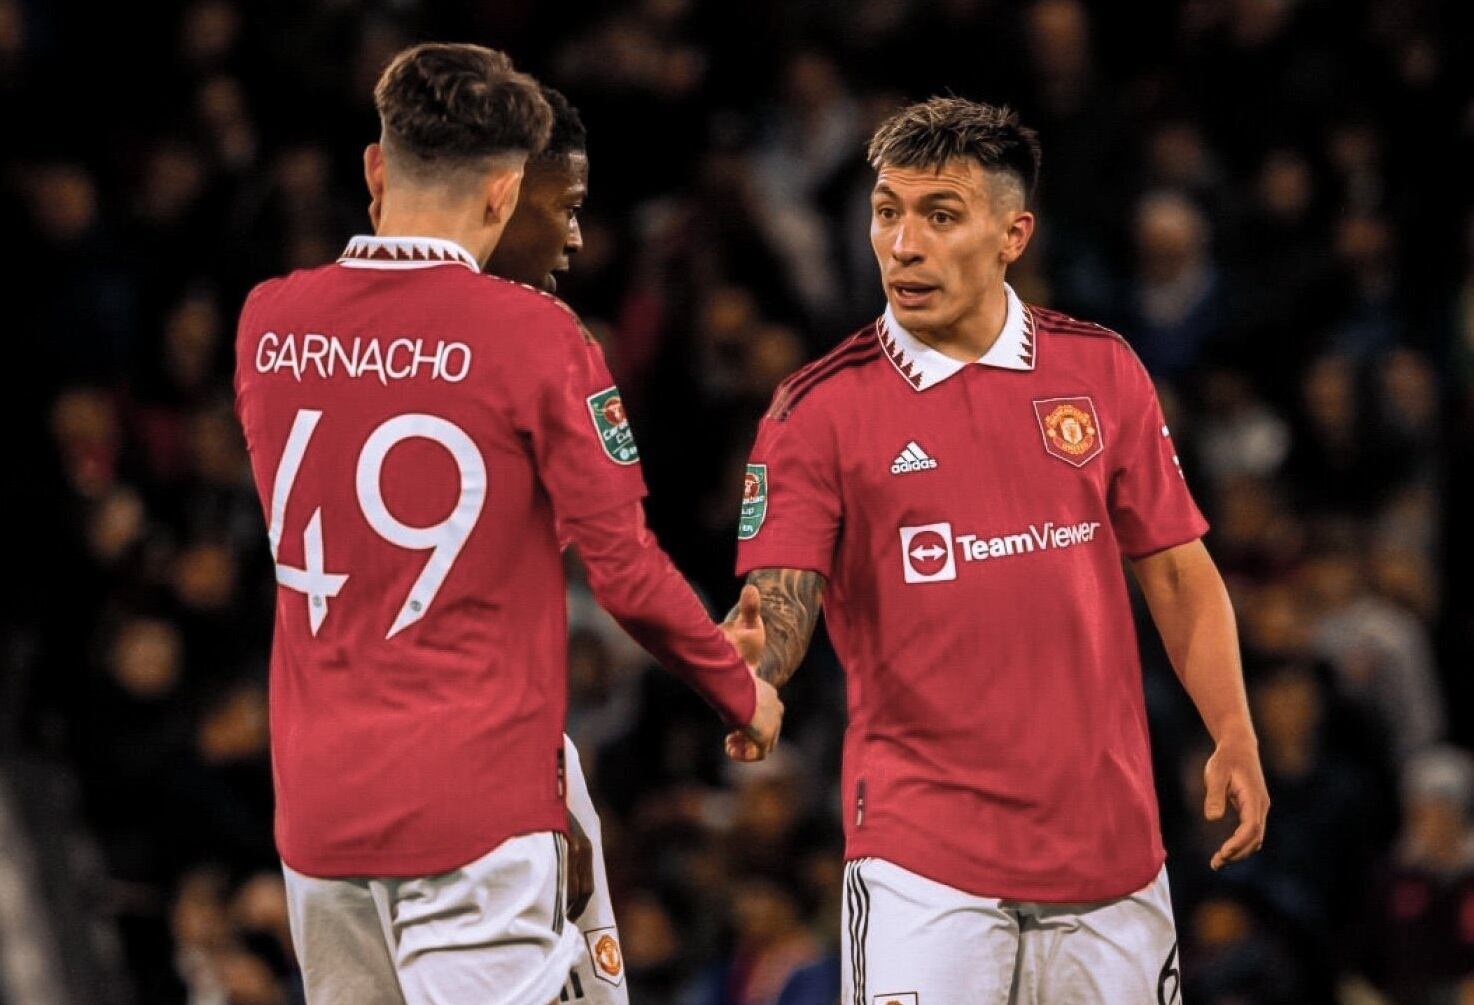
(970, 520)
(416, 430)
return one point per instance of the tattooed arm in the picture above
(791, 600)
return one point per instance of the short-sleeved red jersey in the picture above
(417, 431)
(970, 520)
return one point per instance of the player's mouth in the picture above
(913, 295)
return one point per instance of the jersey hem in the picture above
(807, 562)
(425, 863)
(749, 704)
(983, 882)
(1137, 555)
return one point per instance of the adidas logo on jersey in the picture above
(913, 458)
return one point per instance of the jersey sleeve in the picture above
(634, 580)
(1150, 504)
(581, 437)
(791, 505)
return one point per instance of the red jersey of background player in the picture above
(417, 432)
(970, 520)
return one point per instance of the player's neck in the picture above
(969, 338)
(476, 236)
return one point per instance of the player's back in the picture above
(396, 410)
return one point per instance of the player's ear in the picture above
(502, 188)
(1016, 239)
(373, 176)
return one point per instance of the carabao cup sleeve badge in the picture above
(613, 426)
(754, 502)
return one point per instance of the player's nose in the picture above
(573, 244)
(904, 246)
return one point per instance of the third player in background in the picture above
(539, 241)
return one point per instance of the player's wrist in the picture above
(1236, 735)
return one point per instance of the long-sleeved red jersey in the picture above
(418, 433)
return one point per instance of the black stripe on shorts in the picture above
(558, 912)
(857, 898)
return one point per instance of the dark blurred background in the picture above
(1271, 199)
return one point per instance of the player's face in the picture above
(544, 233)
(943, 237)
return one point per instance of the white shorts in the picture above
(909, 940)
(492, 932)
(598, 972)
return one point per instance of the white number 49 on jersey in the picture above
(443, 540)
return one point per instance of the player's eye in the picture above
(885, 212)
(941, 218)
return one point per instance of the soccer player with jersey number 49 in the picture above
(424, 438)
(956, 485)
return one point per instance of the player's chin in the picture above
(914, 314)
(550, 281)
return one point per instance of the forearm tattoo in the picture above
(792, 599)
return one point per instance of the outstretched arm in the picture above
(634, 580)
(791, 601)
(1191, 608)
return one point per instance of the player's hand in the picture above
(744, 626)
(580, 869)
(744, 629)
(758, 738)
(1233, 776)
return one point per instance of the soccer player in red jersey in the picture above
(540, 239)
(421, 435)
(956, 484)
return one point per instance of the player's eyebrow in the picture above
(944, 195)
(931, 198)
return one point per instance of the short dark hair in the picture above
(448, 106)
(930, 133)
(568, 135)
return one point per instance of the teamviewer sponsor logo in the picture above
(927, 554)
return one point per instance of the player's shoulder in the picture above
(270, 297)
(275, 287)
(829, 371)
(1048, 321)
(528, 304)
(1093, 346)
(1083, 340)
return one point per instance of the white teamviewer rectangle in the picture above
(929, 552)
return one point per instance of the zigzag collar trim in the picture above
(924, 367)
(367, 251)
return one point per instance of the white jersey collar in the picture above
(367, 251)
(925, 367)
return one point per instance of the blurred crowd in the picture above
(1268, 198)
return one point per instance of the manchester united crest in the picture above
(1070, 428)
(603, 946)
